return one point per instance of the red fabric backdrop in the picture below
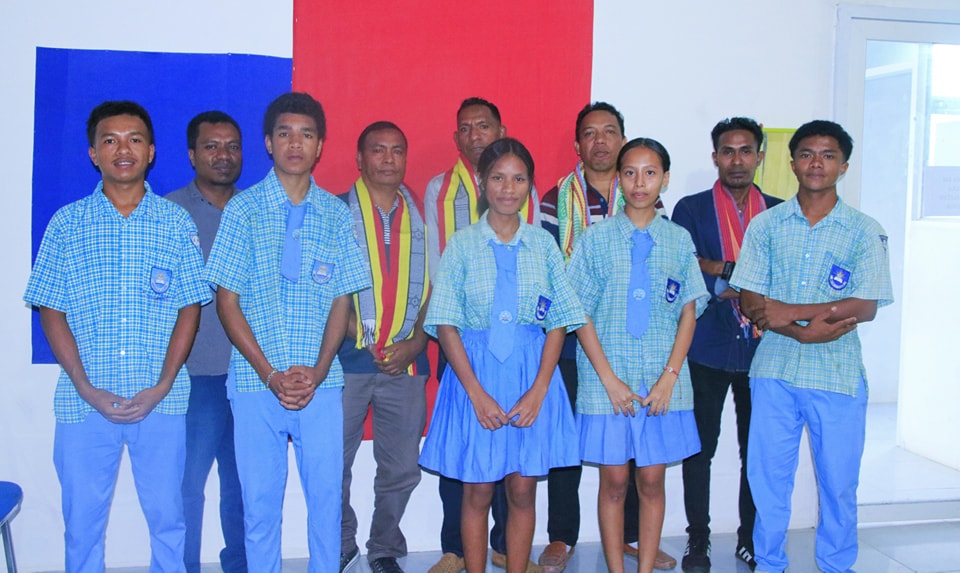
(414, 62)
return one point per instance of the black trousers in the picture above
(709, 394)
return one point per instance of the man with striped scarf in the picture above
(383, 356)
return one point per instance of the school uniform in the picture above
(822, 386)
(286, 300)
(600, 272)
(501, 297)
(121, 281)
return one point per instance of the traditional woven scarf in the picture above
(731, 235)
(573, 207)
(388, 312)
(457, 203)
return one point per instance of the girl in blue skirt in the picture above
(640, 284)
(502, 411)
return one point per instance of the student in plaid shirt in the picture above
(810, 269)
(502, 411)
(285, 262)
(117, 281)
(640, 284)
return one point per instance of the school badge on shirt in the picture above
(543, 305)
(322, 272)
(160, 280)
(673, 290)
(195, 239)
(839, 278)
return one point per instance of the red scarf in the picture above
(731, 228)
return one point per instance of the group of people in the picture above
(581, 327)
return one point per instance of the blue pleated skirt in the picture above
(612, 439)
(458, 447)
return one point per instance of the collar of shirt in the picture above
(276, 195)
(487, 232)
(626, 227)
(840, 214)
(146, 210)
(396, 201)
(194, 192)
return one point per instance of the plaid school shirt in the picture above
(121, 282)
(287, 318)
(463, 292)
(599, 271)
(843, 256)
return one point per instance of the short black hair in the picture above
(110, 109)
(213, 116)
(472, 101)
(597, 106)
(489, 158)
(378, 126)
(827, 129)
(651, 144)
(299, 103)
(734, 124)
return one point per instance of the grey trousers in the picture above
(399, 415)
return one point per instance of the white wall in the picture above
(674, 69)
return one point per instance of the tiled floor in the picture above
(909, 517)
(920, 548)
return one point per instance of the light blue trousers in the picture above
(262, 429)
(836, 425)
(87, 459)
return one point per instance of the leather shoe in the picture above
(554, 557)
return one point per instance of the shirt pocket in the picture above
(668, 288)
(835, 277)
(160, 278)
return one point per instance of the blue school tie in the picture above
(638, 292)
(292, 247)
(503, 316)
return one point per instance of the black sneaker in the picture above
(385, 565)
(696, 558)
(745, 554)
(348, 560)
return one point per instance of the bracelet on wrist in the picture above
(671, 370)
(270, 376)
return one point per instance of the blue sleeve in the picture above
(231, 259)
(46, 286)
(193, 289)
(753, 266)
(447, 300)
(354, 273)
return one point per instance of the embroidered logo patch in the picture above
(159, 280)
(543, 305)
(839, 277)
(322, 272)
(673, 290)
(639, 294)
(195, 239)
(505, 316)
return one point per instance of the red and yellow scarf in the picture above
(573, 207)
(388, 312)
(457, 203)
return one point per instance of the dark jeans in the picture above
(209, 437)
(563, 486)
(709, 394)
(451, 499)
